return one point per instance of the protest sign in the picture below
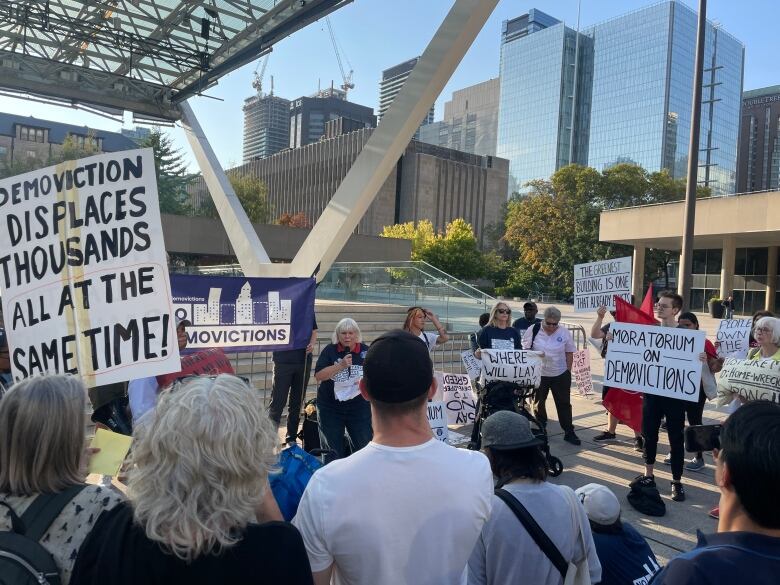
(245, 314)
(83, 270)
(521, 366)
(436, 418)
(459, 399)
(581, 372)
(113, 448)
(346, 382)
(471, 363)
(208, 362)
(750, 379)
(734, 337)
(655, 360)
(597, 283)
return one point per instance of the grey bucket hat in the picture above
(505, 430)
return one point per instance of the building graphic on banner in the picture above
(243, 321)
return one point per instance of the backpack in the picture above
(23, 560)
(647, 500)
(535, 332)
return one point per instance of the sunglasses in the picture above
(503, 311)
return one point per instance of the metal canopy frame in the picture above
(141, 55)
(149, 56)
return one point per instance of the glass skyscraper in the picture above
(633, 97)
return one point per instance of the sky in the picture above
(377, 34)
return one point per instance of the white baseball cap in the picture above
(601, 505)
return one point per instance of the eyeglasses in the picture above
(503, 311)
(548, 324)
(763, 330)
(660, 306)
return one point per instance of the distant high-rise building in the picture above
(137, 134)
(309, 115)
(470, 120)
(392, 81)
(619, 91)
(266, 125)
(758, 167)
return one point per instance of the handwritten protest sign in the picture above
(597, 283)
(750, 379)
(346, 382)
(581, 372)
(521, 366)
(245, 314)
(459, 399)
(655, 360)
(734, 337)
(83, 272)
(437, 420)
(471, 363)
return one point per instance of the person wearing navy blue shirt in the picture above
(746, 548)
(529, 318)
(498, 334)
(625, 556)
(340, 407)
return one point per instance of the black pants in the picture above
(695, 412)
(655, 408)
(561, 390)
(292, 379)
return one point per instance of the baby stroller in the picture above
(498, 395)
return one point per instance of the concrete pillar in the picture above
(727, 267)
(638, 273)
(771, 278)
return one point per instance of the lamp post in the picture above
(686, 257)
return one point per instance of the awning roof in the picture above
(175, 48)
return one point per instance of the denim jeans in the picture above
(352, 416)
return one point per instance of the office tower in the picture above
(392, 81)
(266, 125)
(758, 166)
(309, 115)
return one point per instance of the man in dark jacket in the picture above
(746, 548)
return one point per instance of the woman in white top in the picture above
(558, 347)
(415, 324)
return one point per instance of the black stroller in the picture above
(498, 395)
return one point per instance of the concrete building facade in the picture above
(266, 125)
(736, 241)
(428, 182)
(470, 121)
(758, 163)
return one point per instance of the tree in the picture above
(253, 195)
(171, 171)
(299, 220)
(421, 235)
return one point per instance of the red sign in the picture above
(208, 362)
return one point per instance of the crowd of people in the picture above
(393, 504)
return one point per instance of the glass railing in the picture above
(407, 283)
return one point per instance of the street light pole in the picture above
(686, 257)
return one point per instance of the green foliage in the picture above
(455, 251)
(71, 149)
(253, 195)
(171, 171)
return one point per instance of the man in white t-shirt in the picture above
(406, 508)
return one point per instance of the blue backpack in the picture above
(296, 468)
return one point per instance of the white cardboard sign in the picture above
(734, 337)
(83, 270)
(521, 366)
(597, 283)
(750, 379)
(459, 399)
(437, 420)
(581, 372)
(472, 365)
(655, 360)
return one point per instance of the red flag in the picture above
(626, 405)
(647, 303)
(625, 312)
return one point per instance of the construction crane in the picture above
(347, 77)
(257, 83)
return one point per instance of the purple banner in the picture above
(245, 314)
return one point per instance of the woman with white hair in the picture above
(340, 407)
(43, 464)
(199, 498)
(766, 332)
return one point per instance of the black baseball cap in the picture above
(397, 367)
